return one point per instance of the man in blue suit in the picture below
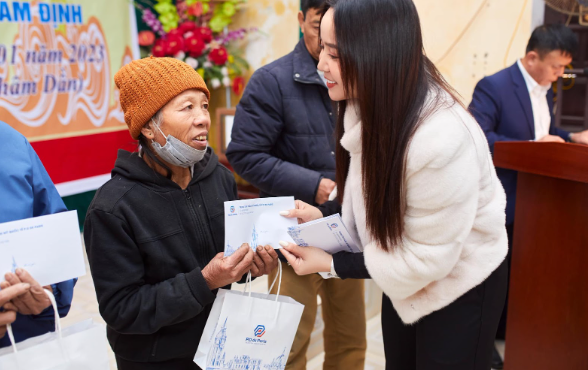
(516, 104)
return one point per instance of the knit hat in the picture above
(146, 85)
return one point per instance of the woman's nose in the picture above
(322, 66)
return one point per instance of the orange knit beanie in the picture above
(146, 85)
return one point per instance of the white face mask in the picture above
(176, 152)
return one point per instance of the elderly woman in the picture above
(155, 232)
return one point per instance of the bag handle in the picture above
(274, 282)
(247, 284)
(277, 278)
(57, 326)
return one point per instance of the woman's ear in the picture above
(147, 131)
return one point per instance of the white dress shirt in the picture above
(538, 95)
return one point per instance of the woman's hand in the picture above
(34, 301)
(304, 212)
(6, 295)
(265, 260)
(306, 260)
(222, 271)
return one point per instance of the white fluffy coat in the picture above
(454, 234)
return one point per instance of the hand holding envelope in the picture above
(34, 301)
(328, 233)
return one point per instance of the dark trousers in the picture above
(181, 364)
(460, 336)
(501, 333)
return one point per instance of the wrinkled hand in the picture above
(580, 137)
(326, 187)
(265, 260)
(32, 302)
(552, 138)
(304, 212)
(6, 295)
(306, 260)
(222, 271)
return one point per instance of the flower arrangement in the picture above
(195, 31)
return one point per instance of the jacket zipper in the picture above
(196, 221)
(154, 349)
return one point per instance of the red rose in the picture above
(175, 33)
(195, 46)
(218, 56)
(238, 85)
(159, 48)
(205, 34)
(175, 44)
(146, 38)
(187, 27)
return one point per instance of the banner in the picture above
(57, 62)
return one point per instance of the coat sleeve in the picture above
(47, 201)
(127, 303)
(259, 123)
(441, 199)
(350, 265)
(330, 207)
(485, 107)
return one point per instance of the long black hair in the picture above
(395, 87)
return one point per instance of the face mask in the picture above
(177, 152)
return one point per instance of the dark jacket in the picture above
(282, 140)
(147, 241)
(502, 106)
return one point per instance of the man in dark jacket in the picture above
(283, 143)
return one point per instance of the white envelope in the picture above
(257, 222)
(329, 234)
(48, 247)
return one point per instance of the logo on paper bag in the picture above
(334, 226)
(259, 331)
(232, 209)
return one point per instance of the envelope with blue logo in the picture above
(257, 222)
(248, 331)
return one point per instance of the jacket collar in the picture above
(134, 168)
(522, 93)
(304, 70)
(351, 139)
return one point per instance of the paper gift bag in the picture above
(79, 346)
(251, 331)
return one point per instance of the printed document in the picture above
(328, 233)
(48, 247)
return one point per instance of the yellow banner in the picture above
(57, 61)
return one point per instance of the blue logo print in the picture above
(232, 209)
(334, 226)
(259, 331)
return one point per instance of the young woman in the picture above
(417, 186)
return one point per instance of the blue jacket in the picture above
(502, 106)
(27, 191)
(283, 134)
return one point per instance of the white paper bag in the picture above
(249, 331)
(79, 346)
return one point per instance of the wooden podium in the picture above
(547, 325)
